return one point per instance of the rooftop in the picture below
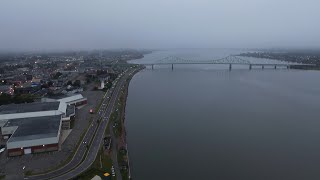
(30, 107)
(34, 128)
(57, 97)
(4, 87)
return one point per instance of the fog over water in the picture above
(79, 24)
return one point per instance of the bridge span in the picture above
(230, 60)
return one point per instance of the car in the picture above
(2, 150)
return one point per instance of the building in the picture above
(71, 102)
(36, 127)
(6, 89)
(27, 88)
(102, 84)
(76, 100)
(33, 135)
(33, 127)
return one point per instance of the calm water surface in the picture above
(204, 122)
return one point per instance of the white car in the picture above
(2, 149)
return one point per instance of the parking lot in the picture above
(15, 167)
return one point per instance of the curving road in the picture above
(97, 141)
(95, 133)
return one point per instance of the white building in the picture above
(35, 127)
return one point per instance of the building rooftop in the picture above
(29, 107)
(34, 128)
(67, 98)
(59, 96)
(4, 87)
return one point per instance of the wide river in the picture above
(206, 122)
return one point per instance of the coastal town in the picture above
(54, 108)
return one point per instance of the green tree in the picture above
(57, 75)
(5, 99)
(69, 83)
(109, 85)
(77, 83)
(50, 83)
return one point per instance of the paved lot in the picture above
(41, 162)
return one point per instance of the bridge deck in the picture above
(253, 64)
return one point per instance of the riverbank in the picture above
(307, 57)
(119, 132)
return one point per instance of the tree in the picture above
(24, 98)
(69, 83)
(109, 85)
(44, 86)
(5, 99)
(88, 80)
(50, 83)
(77, 83)
(57, 75)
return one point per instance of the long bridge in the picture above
(230, 60)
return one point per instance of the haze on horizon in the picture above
(77, 24)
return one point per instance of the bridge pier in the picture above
(250, 66)
(230, 67)
(275, 66)
(152, 66)
(171, 66)
(288, 67)
(262, 66)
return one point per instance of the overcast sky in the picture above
(77, 24)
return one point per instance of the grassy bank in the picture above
(101, 165)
